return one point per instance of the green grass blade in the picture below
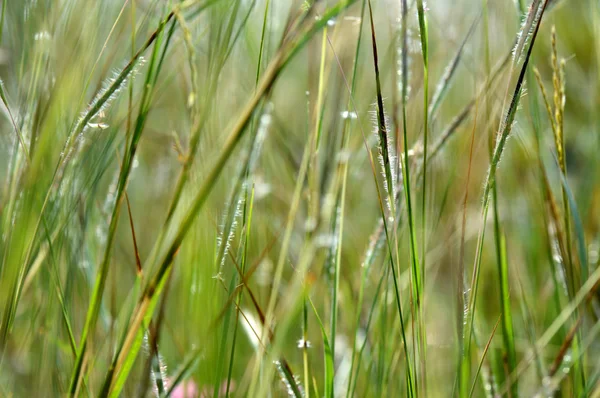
(503, 134)
(507, 322)
(327, 355)
(184, 371)
(579, 231)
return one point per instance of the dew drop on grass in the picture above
(100, 126)
(42, 35)
(349, 115)
(304, 343)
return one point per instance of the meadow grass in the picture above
(331, 198)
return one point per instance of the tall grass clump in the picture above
(339, 198)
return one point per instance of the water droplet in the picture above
(349, 115)
(42, 35)
(304, 343)
(101, 126)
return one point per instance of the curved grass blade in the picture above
(420, 277)
(506, 316)
(327, 354)
(446, 79)
(351, 392)
(186, 368)
(483, 355)
(503, 134)
(245, 179)
(581, 246)
(589, 288)
(96, 300)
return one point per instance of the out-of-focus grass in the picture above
(264, 250)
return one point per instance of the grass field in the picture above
(340, 198)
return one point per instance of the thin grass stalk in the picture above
(569, 208)
(590, 287)
(248, 209)
(222, 336)
(2, 14)
(342, 199)
(238, 200)
(579, 379)
(406, 182)
(338, 230)
(559, 142)
(503, 134)
(554, 383)
(247, 222)
(461, 291)
(183, 372)
(421, 280)
(345, 141)
(96, 300)
(445, 82)
(304, 345)
(483, 355)
(555, 117)
(529, 20)
(505, 130)
(526, 313)
(287, 376)
(385, 227)
(384, 144)
(506, 315)
(18, 132)
(304, 260)
(320, 93)
(367, 327)
(500, 252)
(287, 238)
(327, 354)
(199, 118)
